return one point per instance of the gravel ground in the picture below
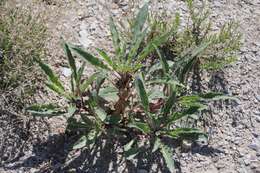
(235, 127)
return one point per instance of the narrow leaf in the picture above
(185, 132)
(170, 102)
(45, 110)
(163, 61)
(84, 86)
(82, 142)
(115, 35)
(168, 157)
(71, 60)
(52, 77)
(143, 127)
(142, 93)
(100, 113)
(89, 58)
(156, 145)
(140, 20)
(104, 55)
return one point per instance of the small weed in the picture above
(128, 96)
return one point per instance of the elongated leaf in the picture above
(136, 45)
(129, 145)
(142, 93)
(84, 86)
(166, 81)
(163, 61)
(131, 153)
(186, 112)
(100, 113)
(157, 41)
(109, 93)
(89, 58)
(105, 56)
(45, 110)
(143, 127)
(71, 61)
(140, 21)
(71, 111)
(170, 102)
(80, 73)
(191, 58)
(156, 145)
(184, 132)
(216, 96)
(82, 142)
(115, 35)
(58, 90)
(168, 157)
(52, 77)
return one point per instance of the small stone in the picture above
(247, 162)
(258, 119)
(253, 146)
(257, 98)
(66, 72)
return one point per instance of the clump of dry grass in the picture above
(22, 38)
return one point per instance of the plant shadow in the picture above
(55, 155)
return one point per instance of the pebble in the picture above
(255, 145)
(247, 162)
(257, 98)
(66, 71)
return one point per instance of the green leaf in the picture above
(84, 86)
(80, 73)
(57, 89)
(129, 150)
(186, 112)
(45, 110)
(113, 119)
(157, 41)
(115, 36)
(184, 132)
(140, 21)
(109, 93)
(156, 145)
(100, 113)
(129, 145)
(166, 81)
(131, 153)
(89, 58)
(168, 157)
(142, 93)
(143, 127)
(52, 77)
(170, 102)
(216, 96)
(82, 142)
(104, 55)
(155, 94)
(71, 111)
(71, 60)
(136, 46)
(163, 61)
(75, 125)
